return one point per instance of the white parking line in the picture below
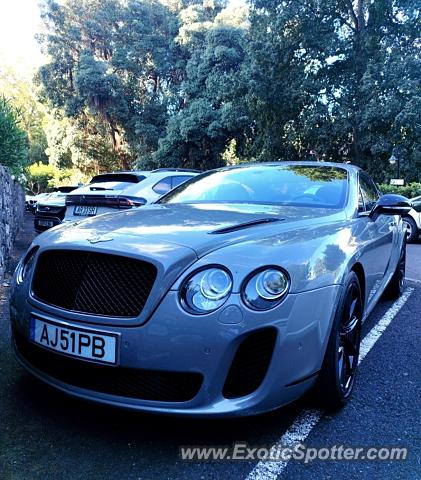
(308, 419)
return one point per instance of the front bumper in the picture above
(174, 341)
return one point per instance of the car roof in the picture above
(172, 173)
(156, 177)
(176, 170)
(304, 163)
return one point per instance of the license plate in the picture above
(85, 211)
(45, 223)
(93, 345)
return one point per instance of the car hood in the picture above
(200, 227)
(174, 237)
(55, 201)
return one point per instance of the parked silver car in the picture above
(236, 293)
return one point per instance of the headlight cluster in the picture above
(265, 288)
(208, 289)
(25, 265)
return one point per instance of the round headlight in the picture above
(266, 288)
(206, 290)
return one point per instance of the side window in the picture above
(178, 180)
(361, 206)
(368, 191)
(163, 186)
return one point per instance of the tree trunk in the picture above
(360, 65)
(117, 142)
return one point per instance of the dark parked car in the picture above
(50, 212)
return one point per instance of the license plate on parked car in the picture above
(90, 344)
(85, 211)
(45, 223)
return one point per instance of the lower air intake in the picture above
(250, 364)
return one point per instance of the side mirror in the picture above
(390, 204)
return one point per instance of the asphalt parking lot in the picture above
(46, 435)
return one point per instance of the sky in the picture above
(19, 21)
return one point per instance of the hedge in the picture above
(411, 190)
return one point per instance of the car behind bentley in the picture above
(234, 294)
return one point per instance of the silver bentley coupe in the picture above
(233, 294)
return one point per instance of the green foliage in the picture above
(410, 191)
(21, 94)
(211, 116)
(81, 143)
(13, 139)
(112, 67)
(41, 177)
(340, 79)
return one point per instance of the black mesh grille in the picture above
(94, 283)
(250, 364)
(125, 382)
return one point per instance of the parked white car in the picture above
(413, 220)
(31, 201)
(110, 192)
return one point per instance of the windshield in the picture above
(66, 189)
(315, 186)
(117, 177)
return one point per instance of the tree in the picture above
(13, 139)
(81, 143)
(212, 114)
(111, 61)
(20, 91)
(335, 78)
(41, 177)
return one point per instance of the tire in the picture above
(337, 376)
(411, 228)
(397, 283)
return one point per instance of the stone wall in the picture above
(12, 209)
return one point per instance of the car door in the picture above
(378, 236)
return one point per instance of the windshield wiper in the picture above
(240, 226)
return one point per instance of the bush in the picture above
(42, 177)
(410, 191)
(13, 139)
